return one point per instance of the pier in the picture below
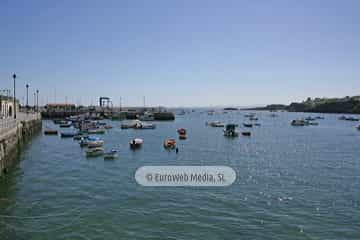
(61, 111)
(13, 133)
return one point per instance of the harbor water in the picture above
(292, 183)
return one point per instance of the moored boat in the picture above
(94, 152)
(95, 143)
(216, 124)
(136, 143)
(108, 126)
(246, 133)
(50, 132)
(230, 130)
(348, 118)
(248, 125)
(181, 131)
(67, 134)
(144, 126)
(299, 122)
(170, 143)
(111, 154)
(96, 131)
(358, 127)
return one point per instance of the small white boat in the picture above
(96, 131)
(94, 152)
(136, 143)
(95, 144)
(111, 155)
(145, 126)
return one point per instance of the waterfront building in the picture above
(7, 107)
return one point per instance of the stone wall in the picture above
(11, 142)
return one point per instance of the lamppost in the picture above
(37, 100)
(27, 97)
(34, 101)
(14, 77)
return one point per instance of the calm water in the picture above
(293, 183)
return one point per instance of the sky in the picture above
(180, 53)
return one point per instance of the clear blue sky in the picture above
(181, 53)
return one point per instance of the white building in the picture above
(7, 107)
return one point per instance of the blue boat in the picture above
(67, 134)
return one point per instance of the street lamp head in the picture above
(37, 91)
(14, 76)
(27, 85)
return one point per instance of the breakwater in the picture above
(13, 133)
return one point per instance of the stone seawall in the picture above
(11, 142)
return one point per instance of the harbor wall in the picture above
(13, 138)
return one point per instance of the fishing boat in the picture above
(216, 124)
(136, 143)
(253, 118)
(111, 154)
(96, 143)
(181, 131)
(299, 122)
(351, 119)
(248, 125)
(319, 117)
(246, 133)
(94, 152)
(257, 124)
(67, 134)
(108, 126)
(147, 116)
(170, 143)
(230, 130)
(96, 131)
(50, 132)
(313, 123)
(144, 126)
